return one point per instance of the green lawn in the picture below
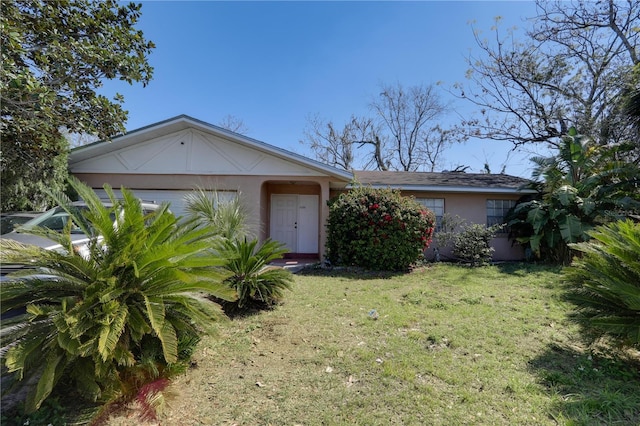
(446, 345)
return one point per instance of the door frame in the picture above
(307, 213)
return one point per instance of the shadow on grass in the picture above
(590, 389)
(352, 272)
(511, 268)
(526, 268)
(249, 309)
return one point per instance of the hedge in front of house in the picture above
(377, 229)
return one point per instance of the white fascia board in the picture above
(458, 189)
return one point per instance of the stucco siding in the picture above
(255, 191)
(183, 153)
(472, 207)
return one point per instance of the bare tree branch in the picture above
(571, 70)
(234, 124)
(402, 134)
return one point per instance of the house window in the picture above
(497, 210)
(436, 205)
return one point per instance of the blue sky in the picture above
(274, 64)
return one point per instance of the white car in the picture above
(56, 219)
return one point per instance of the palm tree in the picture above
(256, 282)
(228, 218)
(632, 108)
(131, 305)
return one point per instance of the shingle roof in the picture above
(443, 181)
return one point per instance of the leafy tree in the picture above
(583, 186)
(401, 134)
(125, 312)
(570, 71)
(24, 183)
(55, 54)
(377, 229)
(606, 283)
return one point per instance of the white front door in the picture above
(295, 222)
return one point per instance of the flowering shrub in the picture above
(377, 229)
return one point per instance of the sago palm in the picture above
(92, 317)
(606, 282)
(257, 283)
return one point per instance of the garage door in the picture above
(175, 198)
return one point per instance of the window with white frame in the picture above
(436, 205)
(497, 210)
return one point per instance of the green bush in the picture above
(473, 244)
(607, 283)
(50, 413)
(377, 229)
(257, 284)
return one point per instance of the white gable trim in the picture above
(105, 156)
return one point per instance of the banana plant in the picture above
(583, 186)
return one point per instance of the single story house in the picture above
(286, 193)
(474, 197)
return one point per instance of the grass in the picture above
(442, 345)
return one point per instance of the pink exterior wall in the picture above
(473, 208)
(256, 191)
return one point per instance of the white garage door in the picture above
(175, 198)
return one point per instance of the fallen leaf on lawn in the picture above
(351, 380)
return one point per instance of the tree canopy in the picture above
(55, 55)
(573, 69)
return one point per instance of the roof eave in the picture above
(457, 189)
